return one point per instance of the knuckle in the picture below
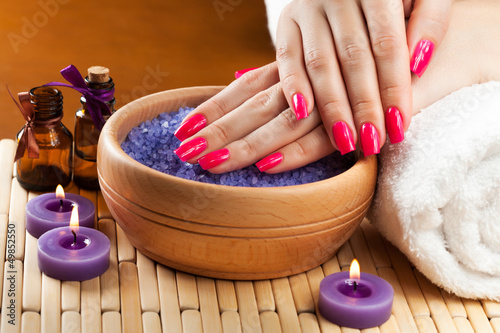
(288, 120)
(282, 52)
(220, 132)
(316, 60)
(261, 100)
(392, 90)
(288, 81)
(334, 106)
(364, 107)
(386, 46)
(299, 150)
(354, 54)
(246, 147)
(216, 107)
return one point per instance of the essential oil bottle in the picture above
(55, 142)
(87, 132)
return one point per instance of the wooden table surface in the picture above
(149, 46)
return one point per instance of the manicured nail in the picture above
(213, 159)
(239, 73)
(269, 162)
(191, 148)
(299, 106)
(343, 137)
(394, 125)
(369, 139)
(190, 127)
(421, 57)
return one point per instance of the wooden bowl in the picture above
(224, 231)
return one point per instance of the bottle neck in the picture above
(103, 90)
(48, 105)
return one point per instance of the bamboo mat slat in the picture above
(137, 294)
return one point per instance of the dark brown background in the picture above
(149, 46)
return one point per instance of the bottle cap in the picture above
(98, 74)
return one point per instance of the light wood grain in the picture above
(102, 208)
(17, 213)
(476, 316)
(209, 307)
(191, 321)
(110, 285)
(345, 255)
(111, 322)
(91, 305)
(454, 304)
(463, 325)
(7, 152)
(70, 296)
(30, 322)
(375, 245)
(92, 196)
(170, 312)
(264, 295)
(188, 291)
(148, 284)
(226, 295)
(425, 324)
(151, 322)
(130, 300)
(70, 322)
(270, 322)
(495, 324)
(285, 305)
(4, 221)
(361, 252)
(390, 326)
(51, 305)
(301, 293)
(231, 322)
(32, 283)
(491, 308)
(249, 313)
(309, 323)
(126, 252)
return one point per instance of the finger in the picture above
(307, 149)
(386, 26)
(254, 113)
(293, 76)
(359, 73)
(277, 133)
(228, 99)
(408, 7)
(327, 83)
(426, 29)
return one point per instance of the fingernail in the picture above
(299, 106)
(421, 57)
(369, 139)
(343, 137)
(191, 148)
(239, 73)
(213, 159)
(269, 162)
(190, 127)
(394, 125)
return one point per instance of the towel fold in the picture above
(438, 192)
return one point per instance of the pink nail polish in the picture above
(239, 73)
(213, 159)
(421, 57)
(369, 139)
(191, 148)
(299, 106)
(343, 137)
(394, 125)
(190, 127)
(269, 162)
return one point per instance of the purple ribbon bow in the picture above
(95, 98)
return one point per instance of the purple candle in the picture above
(73, 253)
(351, 300)
(53, 210)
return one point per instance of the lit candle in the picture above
(53, 210)
(73, 253)
(353, 300)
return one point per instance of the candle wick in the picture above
(61, 206)
(355, 285)
(74, 237)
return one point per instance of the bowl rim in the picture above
(109, 136)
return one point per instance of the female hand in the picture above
(350, 59)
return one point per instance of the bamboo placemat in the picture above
(138, 295)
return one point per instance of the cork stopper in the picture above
(98, 74)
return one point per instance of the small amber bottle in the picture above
(53, 165)
(87, 133)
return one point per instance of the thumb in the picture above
(426, 29)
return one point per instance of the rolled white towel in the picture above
(438, 192)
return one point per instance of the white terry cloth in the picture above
(438, 192)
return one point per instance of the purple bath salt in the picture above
(152, 143)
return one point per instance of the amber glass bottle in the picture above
(87, 133)
(53, 166)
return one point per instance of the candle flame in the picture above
(60, 192)
(74, 220)
(354, 270)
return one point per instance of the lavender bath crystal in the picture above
(152, 143)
